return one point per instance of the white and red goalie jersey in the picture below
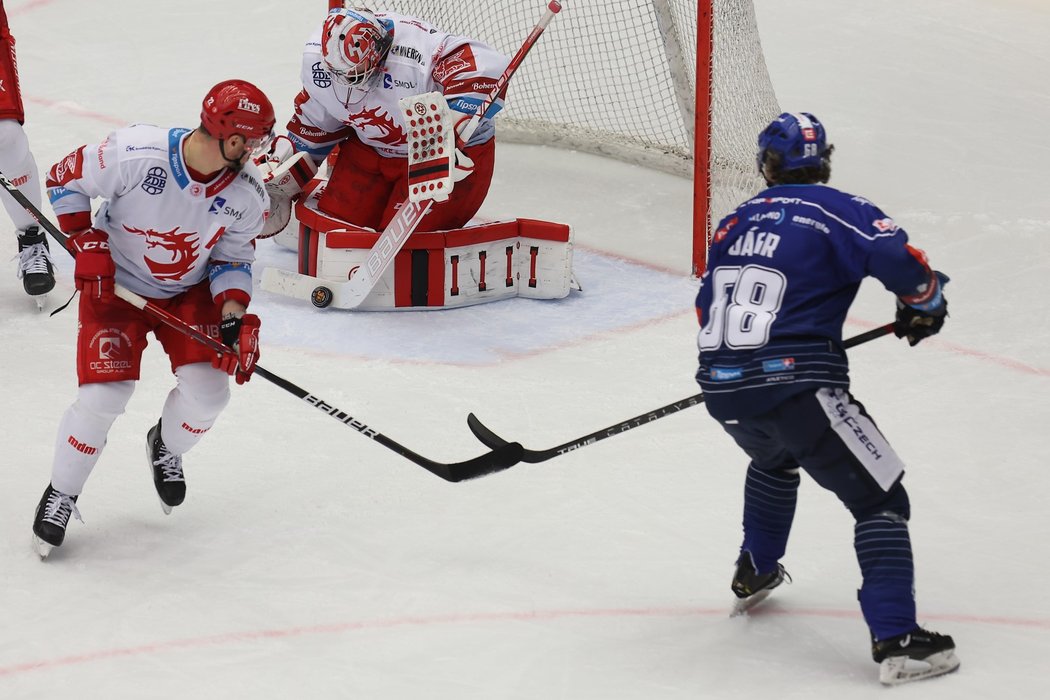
(422, 59)
(167, 232)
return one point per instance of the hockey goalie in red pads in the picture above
(359, 70)
(355, 68)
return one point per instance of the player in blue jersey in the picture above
(782, 272)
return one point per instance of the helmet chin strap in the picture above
(230, 163)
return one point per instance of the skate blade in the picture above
(41, 301)
(897, 670)
(41, 548)
(742, 605)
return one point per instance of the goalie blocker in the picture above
(435, 270)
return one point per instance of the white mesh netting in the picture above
(617, 77)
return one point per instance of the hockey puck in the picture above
(321, 297)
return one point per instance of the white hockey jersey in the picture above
(167, 232)
(422, 59)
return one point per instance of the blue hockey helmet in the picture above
(798, 138)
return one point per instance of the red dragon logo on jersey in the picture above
(389, 133)
(462, 59)
(182, 249)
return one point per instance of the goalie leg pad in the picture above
(442, 269)
(470, 193)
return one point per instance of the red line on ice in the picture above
(458, 619)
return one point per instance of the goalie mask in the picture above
(354, 44)
(797, 139)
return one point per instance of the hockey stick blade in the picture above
(490, 439)
(496, 460)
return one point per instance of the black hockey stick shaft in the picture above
(492, 440)
(497, 459)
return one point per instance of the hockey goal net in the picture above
(619, 78)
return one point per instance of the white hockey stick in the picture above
(350, 294)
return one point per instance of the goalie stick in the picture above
(352, 293)
(497, 459)
(492, 440)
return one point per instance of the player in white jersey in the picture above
(177, 224)
(355, 68)
(18, 165)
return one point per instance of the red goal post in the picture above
(676, 85)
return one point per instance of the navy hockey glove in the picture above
(917, 324)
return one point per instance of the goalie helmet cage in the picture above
(676, 85)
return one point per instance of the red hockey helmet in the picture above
(354, 45)
(238, 107)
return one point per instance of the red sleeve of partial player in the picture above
(71, 223)
(237, 295)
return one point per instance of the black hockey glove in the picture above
(916, 324)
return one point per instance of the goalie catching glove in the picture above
(242, 335)
(285, 172)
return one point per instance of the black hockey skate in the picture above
(914, 656)
(34, 263)
(167, 471)
(52, 516)
(752, 588)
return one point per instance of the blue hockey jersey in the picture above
(782, 271)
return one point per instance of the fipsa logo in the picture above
(155, 180)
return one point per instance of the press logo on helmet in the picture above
(886, 225)
(248, 106)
